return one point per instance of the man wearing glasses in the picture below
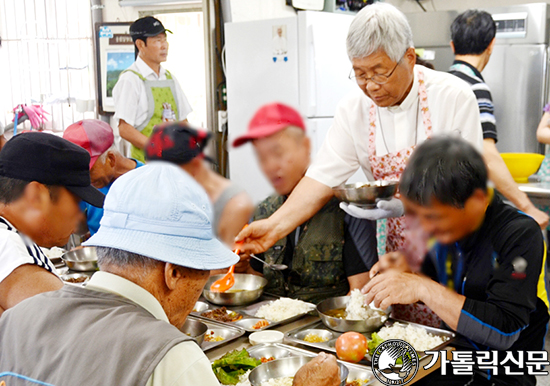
(377, 129)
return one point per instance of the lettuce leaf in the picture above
(374, 342)
(233, 364)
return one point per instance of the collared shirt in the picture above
(453, 109)
(16, 250)
(130, 97)
(470, 74)
(185, 364)
(93, 213)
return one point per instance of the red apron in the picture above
(389, 168)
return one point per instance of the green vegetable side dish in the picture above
(375, 342)
(232, 365)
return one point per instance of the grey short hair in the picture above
(379, 27)
(123, 259)
(103, 156)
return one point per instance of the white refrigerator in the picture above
(300, 61)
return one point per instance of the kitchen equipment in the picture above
(286, 367)
(81, 259)
(228, 333)
(366, 194)
(247, 288)
(268, 336)
(275, 267)
(522, 165)
(311, 76)
(278, 351)
(195, 329)
(75, 278)
(517, 72)
(249, 320)
(344, 325)
(225, 282)
(297, 336)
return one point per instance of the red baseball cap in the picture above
(268, 120)
(93, 135)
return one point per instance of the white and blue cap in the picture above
(161, 212)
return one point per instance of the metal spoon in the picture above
(275, 267)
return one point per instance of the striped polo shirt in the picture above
(470, 74)
(17, 249)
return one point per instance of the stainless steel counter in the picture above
(538, 190)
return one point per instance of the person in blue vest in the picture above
(146, 94)
(106, 162)
(486, 276)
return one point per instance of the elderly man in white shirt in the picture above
(146, 94)
(376, 128)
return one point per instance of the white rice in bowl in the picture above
(284, 381)
(283, 308)
(357, 309)
(419, 338)
(243, 379)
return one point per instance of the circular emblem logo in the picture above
(395, 362)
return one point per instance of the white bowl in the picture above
(266, 337)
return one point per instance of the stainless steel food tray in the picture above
(297, 336)
(278, 350)
(230, 333)
(248, 320)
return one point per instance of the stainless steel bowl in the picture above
(247, 288)
(286, 367)
(366, 194)
(75, 278)
(82, 259)
(344, 325)
(195, 329)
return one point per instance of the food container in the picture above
(522, 165)
(247, 289)
(75, 278)
(366, 194)
(82, 259)
(286, 367)
(195, 329)
(344, 325)
(270, 336)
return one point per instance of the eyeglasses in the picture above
(376, 78)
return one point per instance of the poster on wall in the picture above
(114, 54)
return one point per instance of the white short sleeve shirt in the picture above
(453, 109)
(130, 95)
(17, 249)
(184, 364)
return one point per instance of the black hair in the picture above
(445, 169)
(472, 32)
(136, 50)
(11, 189)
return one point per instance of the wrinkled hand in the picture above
(257, 237)
(320, 371)
(394, 287)
(393, 260)
(384, 209)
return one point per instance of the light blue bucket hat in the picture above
(160, 211)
